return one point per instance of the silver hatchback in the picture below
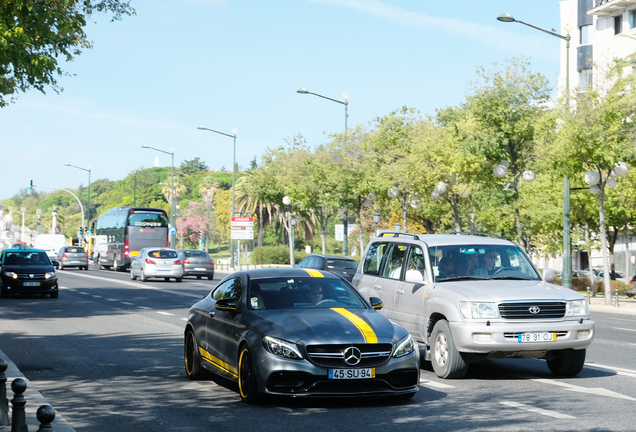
(196, 263)
(156, 263)
(72, 256)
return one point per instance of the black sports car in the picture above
(27, 271)
(298, 332)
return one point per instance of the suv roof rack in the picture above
(397, 234)
(476, 234)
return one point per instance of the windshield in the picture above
(480, 262)
(148, 220)
(195, 253)
(162, 253)
(302, 293)
(341, 264)
(26, 258)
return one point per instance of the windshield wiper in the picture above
(512, 278)
(460, 278)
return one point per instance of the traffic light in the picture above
(31, 184)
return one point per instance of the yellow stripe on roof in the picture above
(367, 332)
(314, 273)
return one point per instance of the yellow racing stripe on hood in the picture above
(314, 273)
(367, 332)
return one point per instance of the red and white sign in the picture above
(242, 228)
(242, 219)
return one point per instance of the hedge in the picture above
(275, 255)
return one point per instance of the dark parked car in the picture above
(196, 263)
(295, 332)
(27, 271)
(72, 256)
(340, 265)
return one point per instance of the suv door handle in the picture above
(377, 287)
(399, 291)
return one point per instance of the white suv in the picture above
(469, 298)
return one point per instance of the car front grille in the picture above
(532, 310)
(27, 276)
(332, 356)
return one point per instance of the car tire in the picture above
(247, 379)
(3, 293)
(567, 363)
(60, 266)
(447, 361)
(199, 277)
(86, 268)
(55, 294)
(178, 279)
(142, 276)
(132, 275)
(211, 277)
(166, 279)
(115, 265)
(192, 358)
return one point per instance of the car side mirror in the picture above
(549, 274)
(376, 303)
(413, 276)
(226, 304)
(56, 263)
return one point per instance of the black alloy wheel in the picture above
(247, 377)
(192, 358)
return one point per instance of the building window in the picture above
(585, 78)
(586, 34)
(632, 19)
(618, 21)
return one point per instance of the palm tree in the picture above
(254, 195)
(208, 188)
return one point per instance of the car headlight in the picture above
(478, 310)
(406, 346)
(11, 274)
(281, 348)
(49, 275)
(576, 308)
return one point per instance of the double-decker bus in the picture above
(121, 232)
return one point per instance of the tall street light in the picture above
(234, 131)
(345, 217)
(566, 276)
(173, 226)
(88, 207)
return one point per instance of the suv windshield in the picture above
(480, 262)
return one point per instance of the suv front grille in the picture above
(332, 356)
(528, 310)
(36, 276)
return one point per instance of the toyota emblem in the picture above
(534, 310)
(352, 356)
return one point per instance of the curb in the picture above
(34, 400)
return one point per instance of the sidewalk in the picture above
(34, 400)
(625, 305)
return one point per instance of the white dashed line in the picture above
(625, 329)
(112, 299)
(435, 384)
(129, 304)
(184, 319)
(144, 307)
(536, 410)
(165, 313)
(82, 293)
(96, 296)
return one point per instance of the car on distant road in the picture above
(27, 271)
(155, 262)
(340, 265)
(72, 256)
(196, 263)
(470, 298)
(298, 333)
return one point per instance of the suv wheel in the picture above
(567, 362)
(447, 361)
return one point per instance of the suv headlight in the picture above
(11, 274)
(477, 310)
(406, 346)
(281, 348)
(576, 308)
(49, 275)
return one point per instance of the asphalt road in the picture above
(107, 354)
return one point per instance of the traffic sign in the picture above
(242, 235)
(173, 230)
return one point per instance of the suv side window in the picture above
(395, 263)
(415, 260)
(374, 258)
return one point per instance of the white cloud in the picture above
(536, 46)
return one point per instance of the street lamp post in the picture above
(376, 220)
(234, 131)
(134, 188)
(88, 206)
(345, 217)
(173, 226)
(566, 276)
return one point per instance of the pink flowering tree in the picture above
(194, 223)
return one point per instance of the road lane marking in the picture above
(97, 296)
(112, 299)
(435, 384)
(82, 293)
(536, 410)
(129, 304)
(617, 370)
(184, 319)
(142, 286)
(144, 307)
(625, 329)
(164, 313)
(598, 391)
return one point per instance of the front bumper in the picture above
(574, 334)
(67, 262)
(16, 286)
(301, 378)
(175, 272)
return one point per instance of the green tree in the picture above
(34, 34)
(192, 166)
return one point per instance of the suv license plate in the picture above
(537, 337)
(352, 373)
(30, 283)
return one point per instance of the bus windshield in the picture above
(148, 220)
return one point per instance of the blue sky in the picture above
(152, 78)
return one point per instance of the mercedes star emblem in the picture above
(352, 356)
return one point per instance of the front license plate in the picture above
(200, 269)
(537, 337)
(352, 373)
(30, 283)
